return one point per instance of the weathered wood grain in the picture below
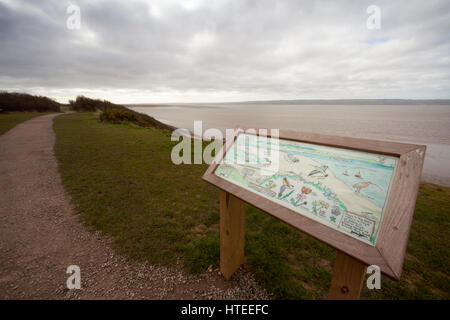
(348, 277)
(232, 233)
(393, 238)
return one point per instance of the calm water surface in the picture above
(429, 125)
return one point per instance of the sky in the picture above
(137, 51)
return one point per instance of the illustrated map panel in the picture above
(344, 189)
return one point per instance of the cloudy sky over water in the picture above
(231, 50)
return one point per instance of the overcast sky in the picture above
(214, 50)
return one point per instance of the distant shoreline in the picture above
(377, 102)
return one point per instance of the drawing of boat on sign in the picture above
(345, 173)
(361, 185)
(319, 172)
(358, 174)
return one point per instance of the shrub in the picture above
(116, 113)
(83, 103)
(13, 101)
(117, 116)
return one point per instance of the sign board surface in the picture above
(356, 195)
(346, 190)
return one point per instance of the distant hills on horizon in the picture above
(351, 101)
(313, 102)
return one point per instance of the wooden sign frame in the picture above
(390, 248)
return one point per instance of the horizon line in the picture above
(386, 101)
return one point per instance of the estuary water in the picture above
(419, 124)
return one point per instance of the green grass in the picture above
(123, 183)
(11, 119)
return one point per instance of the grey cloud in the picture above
(135, 51)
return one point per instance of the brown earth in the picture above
(40, 236)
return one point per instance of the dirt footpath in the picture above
(40, 236)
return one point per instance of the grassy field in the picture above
(11, 119)
(123, 183)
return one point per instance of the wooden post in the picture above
(348, 276)
(232, 233)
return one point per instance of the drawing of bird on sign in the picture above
(361, 185)
(286, 185)
(319, 172)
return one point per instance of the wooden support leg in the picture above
(232, 233)
(348, 276)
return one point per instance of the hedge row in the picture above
(12, 101)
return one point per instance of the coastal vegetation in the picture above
(122, 182)
(13, 102)
(115, 113)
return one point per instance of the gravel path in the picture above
(40, 236)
